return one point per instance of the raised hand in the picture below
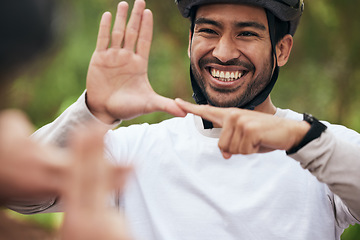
(117, 81)
(246, 132)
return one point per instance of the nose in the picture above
(226, 49)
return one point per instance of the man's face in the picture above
(230, 53)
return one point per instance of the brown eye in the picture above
(207, 31)
(248, 34)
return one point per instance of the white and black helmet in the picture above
(285, 10)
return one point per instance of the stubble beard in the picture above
(252, 89)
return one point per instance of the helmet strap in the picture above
(261, 97)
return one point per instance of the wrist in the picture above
(101, 115)
(302, 128)
(315, 130)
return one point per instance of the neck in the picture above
(266, 107)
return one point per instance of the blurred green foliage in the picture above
(322, 76)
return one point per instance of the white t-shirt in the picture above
(182, 188)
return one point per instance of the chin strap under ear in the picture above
(200, 99)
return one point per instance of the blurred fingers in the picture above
(118, 176)
(15, 124)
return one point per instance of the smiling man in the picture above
(182, 187)
(227, 49)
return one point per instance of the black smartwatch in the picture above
(316, 129)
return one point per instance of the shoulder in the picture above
(337, 130)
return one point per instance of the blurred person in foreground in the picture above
(30, 170)
(286, 175)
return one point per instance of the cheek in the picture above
(259, 55)
(200, 48)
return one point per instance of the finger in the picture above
(246, 146)
(167, 105)
(133, 27)
(145, 36)
(265, 149)
(118, 176)
(226, 136)
(88, 161)
(236, 139)
(249, 142)
(226, 155)
(210, 113)
(89, 143)
(251, 148)
(119, 25)
(15, 123)
(104, 32)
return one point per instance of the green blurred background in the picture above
(322, 76)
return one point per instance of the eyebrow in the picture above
(237, 24)
(251, 24)
(207, 21)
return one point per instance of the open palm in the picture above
(117, 83)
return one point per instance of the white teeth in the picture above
(213, 72)
(226, 76)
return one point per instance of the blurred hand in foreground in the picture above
(28, 169)
(89, 183)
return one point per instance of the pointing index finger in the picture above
(210, 113)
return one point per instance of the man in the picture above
(182, 187)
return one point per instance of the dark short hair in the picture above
(26, 32)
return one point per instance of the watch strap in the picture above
(316, 129)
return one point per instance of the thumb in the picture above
(226, 155)
(210, 113)
(168, 105)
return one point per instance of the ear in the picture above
(190, 40)
(283, 49)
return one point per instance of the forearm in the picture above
(336, 163)
(58, 131)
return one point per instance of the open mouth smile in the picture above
(226, 76)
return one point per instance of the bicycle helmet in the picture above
(286, 10)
